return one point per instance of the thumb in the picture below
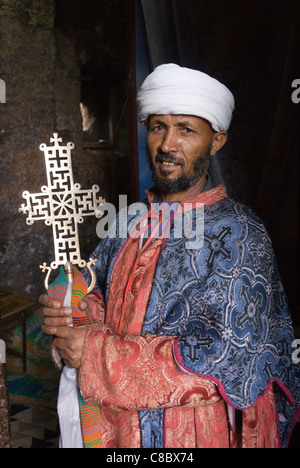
(82, 305)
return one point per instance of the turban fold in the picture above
(171, 89)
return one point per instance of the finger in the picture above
(47, 301)
(63, 332)
(49, 330)
(57, 321)
(61, 345)
(83, 304)
(54, 313)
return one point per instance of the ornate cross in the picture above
(251, 309)
(194, 344)
(217, 245)
(63, 205)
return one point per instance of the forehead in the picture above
(180, 119)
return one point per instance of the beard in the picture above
(184, 181)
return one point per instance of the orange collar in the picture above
(206, 198)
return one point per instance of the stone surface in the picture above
(44, 51)
(4, 413)
(4, 408)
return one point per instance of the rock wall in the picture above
(4, 408)
(42, 58)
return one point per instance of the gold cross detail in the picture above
(62, 204)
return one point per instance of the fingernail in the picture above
(68, 311)
(69, 320)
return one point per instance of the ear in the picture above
(219, 140)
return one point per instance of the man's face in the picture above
(179, 149)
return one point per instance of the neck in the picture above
(179, 196)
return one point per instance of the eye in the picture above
(157, 128)
(187, 130)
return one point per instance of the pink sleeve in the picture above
(137, 372)
(96, 311)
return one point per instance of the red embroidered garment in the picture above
(124, 371)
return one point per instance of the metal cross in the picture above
(63, 205)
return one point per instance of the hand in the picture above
(57, 316)
(54, 315)
(69, 343)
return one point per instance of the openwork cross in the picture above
(63, 205)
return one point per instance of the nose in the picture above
(169, 143)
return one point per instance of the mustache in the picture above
(168, 157)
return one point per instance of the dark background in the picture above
(253, 47)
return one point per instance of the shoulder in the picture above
(236, 227)
(236, 213)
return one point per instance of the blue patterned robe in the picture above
(226, 304)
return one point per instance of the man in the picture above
(189, 340)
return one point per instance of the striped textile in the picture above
(90, 413)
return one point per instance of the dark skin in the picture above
(185, 137)
(68, 341)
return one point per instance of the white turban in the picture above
(171, 89)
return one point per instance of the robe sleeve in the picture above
(97, 307)
(137, 373)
